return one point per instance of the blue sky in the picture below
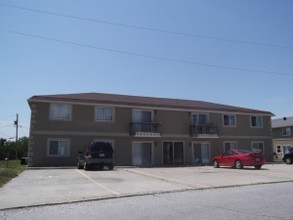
(230, 51)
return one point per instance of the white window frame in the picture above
(134, 111)
(258, 121)
(286, 131)
(59, 150)
(143, 142)
(257, 149)
(197, 115)
(201, 143)
(230, 125)
(104, 115)
(233, 145)
(60, 111)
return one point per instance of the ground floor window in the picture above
(258, 146)
(230, 145)
(142, 153)
(201, 153)
(59, 147)
(173, 153)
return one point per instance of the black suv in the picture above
(288, 158)
(96, 154)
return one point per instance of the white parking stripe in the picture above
(192, 185)
(98, 184)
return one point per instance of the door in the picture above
(142, 154)
(173, 153)
(201, 153)
(227, 158)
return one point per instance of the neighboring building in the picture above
(282, 135)
(144, 131)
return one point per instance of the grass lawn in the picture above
(9, 170)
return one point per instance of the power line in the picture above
(123, 52)
(148, 28)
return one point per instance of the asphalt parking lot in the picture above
(36, 187)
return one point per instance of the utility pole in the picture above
(16, 124)
(16, 135)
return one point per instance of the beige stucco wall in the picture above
(82, 129)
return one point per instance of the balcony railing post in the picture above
(145, 128)
(209, 129)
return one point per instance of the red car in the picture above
(238, 159)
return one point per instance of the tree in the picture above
(13, 150)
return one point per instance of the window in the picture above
(229, 120)
(257, 146)
(286, 149)
(199, 119)
(58, 147)
(60, 111)
(230, 145)
(104, 114)
(286, 131)
(256, 121)
(142, 116)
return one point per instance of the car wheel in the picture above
(257, 166)
(238, 164)
(111, 167)
(288, 160)
(85, 166)
(216, 164)
(78, 165)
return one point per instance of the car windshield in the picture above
(244, 151)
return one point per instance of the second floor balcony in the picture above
(146, 129)
(204, 131)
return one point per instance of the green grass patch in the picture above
(9, 170)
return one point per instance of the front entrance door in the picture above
(173, 153)
(201, 153)
(142, 154)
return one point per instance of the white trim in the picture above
(58, 139)
(51, 118)
(230, 142)
(199, 113)
(173, 141)
(78, 133)
(143, 142)
(105, 107)
(258, 142)
(142, 110)
(159, 108)
(229, 126)
(199, 142)
(257, 127)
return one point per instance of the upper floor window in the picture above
(58, 147)
(142, 115)
(199, 119)
(60, 111)
(256, 121)
(104, 114)
(229, 120)
(286, 131)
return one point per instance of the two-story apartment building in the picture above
(282, 135)
(144, 131)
